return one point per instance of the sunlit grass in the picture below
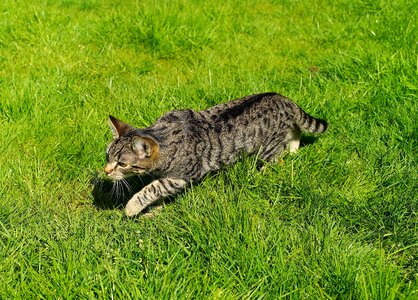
(337, 220)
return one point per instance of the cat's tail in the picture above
(308, 123)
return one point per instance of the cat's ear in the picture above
(118, 127)
(145, 147)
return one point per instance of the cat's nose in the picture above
(108, 169)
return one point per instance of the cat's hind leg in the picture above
(294, 146)
(290, 143)
(293, 138)
(152, 192)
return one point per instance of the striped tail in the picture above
(308, 123)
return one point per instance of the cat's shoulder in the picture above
(178, 116)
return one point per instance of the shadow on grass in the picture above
(307, 140)
(108, 195)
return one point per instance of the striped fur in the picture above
(184, 145)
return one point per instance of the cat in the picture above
(183, 146)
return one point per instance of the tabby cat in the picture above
(184, 145)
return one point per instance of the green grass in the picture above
(338, 220)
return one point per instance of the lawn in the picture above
(336, 220)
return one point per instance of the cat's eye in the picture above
(121, 164)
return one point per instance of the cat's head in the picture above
(130, 152)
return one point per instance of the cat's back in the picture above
(184, 119)
(177, 127)
(242, 106)
(260, 104)
(176, 116)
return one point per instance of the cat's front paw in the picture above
(133, 208)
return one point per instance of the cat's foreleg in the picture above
(152, 192)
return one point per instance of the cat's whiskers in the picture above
(149, 174)
(117, 190)
(125, 184)
(120, 188)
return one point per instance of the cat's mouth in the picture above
(116, 176)
(119, 176)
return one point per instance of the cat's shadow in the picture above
(307, 140)
(108, 194)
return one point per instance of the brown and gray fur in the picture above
(184, 145)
